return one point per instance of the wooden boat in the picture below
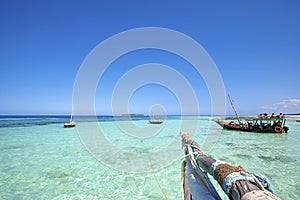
(263, 123)
(154, 120)
(235, 181)
(255, 124)
(70, 124)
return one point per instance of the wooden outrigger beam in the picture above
(235, 181)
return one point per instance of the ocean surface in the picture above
(132, 159)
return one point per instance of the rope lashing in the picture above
(264, 181)
(237, 176)
(216, 164)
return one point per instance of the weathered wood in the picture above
(205, 162)
(187, 192)
(238, 189)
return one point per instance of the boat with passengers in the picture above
(262, 124)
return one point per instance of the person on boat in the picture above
(256, 126)
(265, 115)
(280, 115)
(278, 123)
(232, 124)
(273, 115)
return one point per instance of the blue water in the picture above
(42, 160)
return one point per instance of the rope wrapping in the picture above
(236, 176)
(215, 165)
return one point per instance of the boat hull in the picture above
(244, 128)
(155, 121)
(69, 125)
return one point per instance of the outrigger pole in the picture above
(237, 116)
(235, 181)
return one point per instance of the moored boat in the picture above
(70, 124)
(155, 120)
(261, 123)
(255, 124)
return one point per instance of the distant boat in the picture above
(297, 120)
(132, 115)
(154, 120)
(70, 124)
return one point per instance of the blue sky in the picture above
(255, 45)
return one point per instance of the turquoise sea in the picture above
(42, 160)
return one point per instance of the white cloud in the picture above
(284, 105)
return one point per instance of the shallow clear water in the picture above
(40, 159)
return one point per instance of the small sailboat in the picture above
(70, 124)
